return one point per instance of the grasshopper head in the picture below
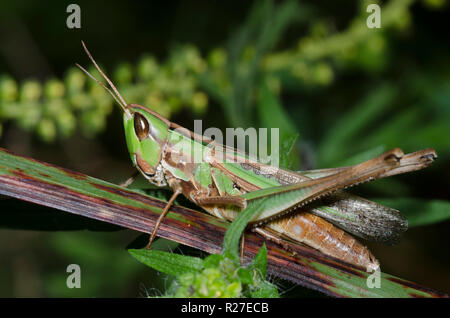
(146, 134)
(146, 131)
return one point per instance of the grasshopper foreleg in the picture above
(130, 180)
(161, 217)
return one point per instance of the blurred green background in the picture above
(307, 67)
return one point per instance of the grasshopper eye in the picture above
(141, 126)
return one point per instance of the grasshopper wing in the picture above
(363, 218)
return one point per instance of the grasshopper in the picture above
(306, 207)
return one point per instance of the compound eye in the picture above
(141, 126)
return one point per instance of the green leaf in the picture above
(272, 114)
(213, 260)
(234, 232)
(362, 156)
(259, 263)
(396, 131)
(259, 34)
(265, 290)
(169, 263)
(289, 158)
(418, 211)
(245, 276)
(350, 126)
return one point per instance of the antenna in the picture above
(119, 99)
(102, 85)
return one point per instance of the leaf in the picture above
(259, 263)
(418, 211)
(396, 131)
(213, 260)
(245, 276)
(362, 156)
(265, 290)
(272, 114)
(261, 31)
(349, 127)
(47, 185)
(289, 158)
(233, 234)
(169, 263)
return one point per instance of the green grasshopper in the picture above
(306, 207)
